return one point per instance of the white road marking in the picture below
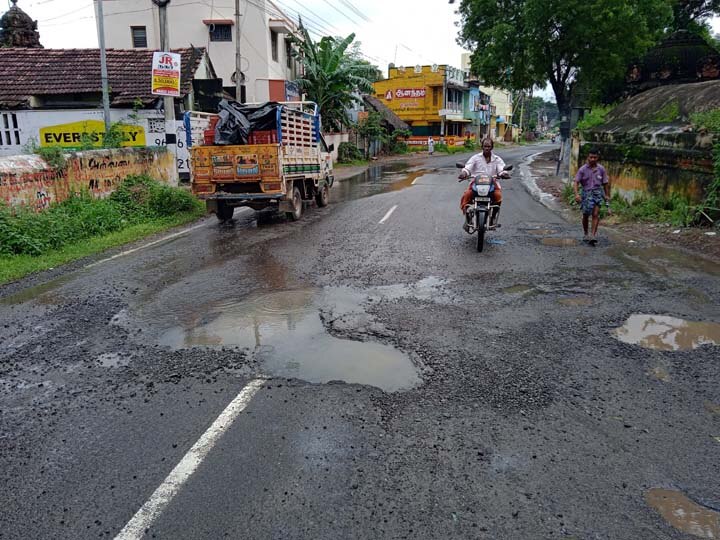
(413, 182)
(150, 244)
(164, 494)
(387, 216)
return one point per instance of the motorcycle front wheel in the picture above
(480, 226)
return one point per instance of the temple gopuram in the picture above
(17, 29)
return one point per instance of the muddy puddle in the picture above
(541, 232)
(521, 288)
(663, 261)
(375, 180)
(575, 301)
(559, 242)
(45, 293)
(684, 514)
(287, 333)
(664, 333)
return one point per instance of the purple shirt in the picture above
(590, 179)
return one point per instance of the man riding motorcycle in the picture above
(489, 164)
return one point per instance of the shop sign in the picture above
(410, 93)
(88, 133)
(166, 74)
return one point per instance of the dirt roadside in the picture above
(695, 240)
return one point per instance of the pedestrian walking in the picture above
(595, 191)
(431, 145)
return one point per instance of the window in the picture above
(274, 45)
(9, 131)
(288, 53)
(220, 32)
(139, 37)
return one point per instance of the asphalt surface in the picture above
(414, 388)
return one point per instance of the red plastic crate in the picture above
(268, 136)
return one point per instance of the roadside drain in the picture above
(664, 333)
(684, 514)
(287, 337)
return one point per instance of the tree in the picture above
(519, 44)
(333, 76)
(691, 14)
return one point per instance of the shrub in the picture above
(595, 117)
(348, 152)
(137, 199)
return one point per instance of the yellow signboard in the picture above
(88, 133)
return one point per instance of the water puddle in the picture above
(521, 288)
(285, 332)
(541, 232)
(660, 373)
(684, 514)
(375, 180)
(664, 333)
(429, 288)
(664, 261)
(712, 408)
(559, 242)
(575, 301)
(44, 293)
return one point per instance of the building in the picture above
(267, 65)
(501, 104)
(431, 99)
(54, 98)
(478, 110)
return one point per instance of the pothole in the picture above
(113, 360)
(664, 333)
(520, 288)
(559, 242)
(541, 232)
(663, 260)
(575, 301)
(684, 514)
(285, 333)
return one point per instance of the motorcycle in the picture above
(482, 215)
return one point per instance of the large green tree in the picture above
(521, 43)
(689, 14)
(334, 75)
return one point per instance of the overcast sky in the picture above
(401, 31)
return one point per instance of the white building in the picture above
(500, 100)
(264, 44)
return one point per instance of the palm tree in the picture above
(333, 76)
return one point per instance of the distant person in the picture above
(595, 191)
(431, 145)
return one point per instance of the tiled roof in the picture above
(388, 115)
(37, 72)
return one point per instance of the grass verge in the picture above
(83, 225)
(13, 267)
(674, 209)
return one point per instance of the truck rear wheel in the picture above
(224, 211)
(297, 204)
(322, 198)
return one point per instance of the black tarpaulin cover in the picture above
(238, 120)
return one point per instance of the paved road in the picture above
(365, 374)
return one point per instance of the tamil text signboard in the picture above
(166, 74)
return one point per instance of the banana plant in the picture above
(334, 76)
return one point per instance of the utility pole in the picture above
(168, 101)
(103, 66)
(238, 58)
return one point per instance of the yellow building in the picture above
(430, 99)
